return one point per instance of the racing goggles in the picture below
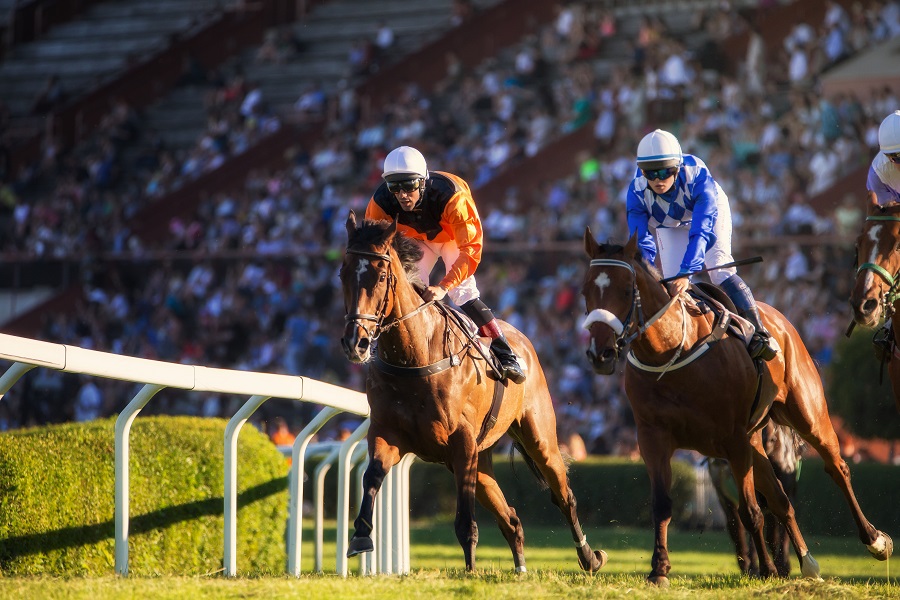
(654, 174)
(409, 185)
(894, 157)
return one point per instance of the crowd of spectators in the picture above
(768, 134)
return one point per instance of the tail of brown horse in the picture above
(532, 466)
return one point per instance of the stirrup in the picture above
(510, 369)
(759, 347)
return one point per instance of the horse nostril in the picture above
(869, 306)
(363, 344)
(609, 354)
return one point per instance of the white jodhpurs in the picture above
(671, 243)
(448, 252)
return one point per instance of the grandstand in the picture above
(214, 235)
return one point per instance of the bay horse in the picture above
(430, 393)
(782, 447)
(876, 292)
(688, 391)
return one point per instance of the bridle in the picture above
(379, 317)
(626, 331)
(893, 281)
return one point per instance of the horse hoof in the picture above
(358, 545)
(809, 567)
(600, 558)
(658, 580)
(883, 546)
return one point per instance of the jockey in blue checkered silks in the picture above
(681, 214)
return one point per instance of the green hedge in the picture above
(57, 499)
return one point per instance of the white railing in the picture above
(27, 354)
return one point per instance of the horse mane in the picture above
(374, 233)
(611, 248)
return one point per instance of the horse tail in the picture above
(532, 466)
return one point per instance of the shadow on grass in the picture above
(23, 545)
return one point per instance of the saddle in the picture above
(711, 298)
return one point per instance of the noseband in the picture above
(378, 318)
(893, 293)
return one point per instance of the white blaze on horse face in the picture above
(361, 268)
(602, 282)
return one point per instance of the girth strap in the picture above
(491, 419)
(441, 365)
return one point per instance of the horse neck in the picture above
(672, 329)
(414, 341)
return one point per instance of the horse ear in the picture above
(590, 244)
(631, 248)
(351, 223)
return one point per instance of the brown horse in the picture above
(876, 293)
(430, 394)
(689, 391)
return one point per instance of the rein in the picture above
(893, 281)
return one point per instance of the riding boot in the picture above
(487, 325)
(884, 342)
(743, 300)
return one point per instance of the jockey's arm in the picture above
(639, 221)
(462, 219)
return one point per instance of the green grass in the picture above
(702, 568)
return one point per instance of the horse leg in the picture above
(542, 452)
(780, 506)
(464, 464)
(491, 497)
(382, 456)
(818, 433)
(657, 456)
(741, 461)
(720, 474)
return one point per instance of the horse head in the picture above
(611, 299)
(369, 285)
(878, 250)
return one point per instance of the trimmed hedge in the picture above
(57, 499)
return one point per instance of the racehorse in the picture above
(430, 393)
(690, 389)
(783, 449)
(877, 290)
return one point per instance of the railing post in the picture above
(343, 515)
(232, 430)
(123, 427)
(12, 375)
(298, 468)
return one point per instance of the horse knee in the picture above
(466, 531)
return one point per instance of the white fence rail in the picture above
(393, 539)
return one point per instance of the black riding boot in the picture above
(488, 326)
(743, 300)
(884, 342)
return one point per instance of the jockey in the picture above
(437, 210)
(679, 210)
(884, 180)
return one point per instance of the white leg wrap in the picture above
(582, 543)
(809, 567)
(878, 545)
(521, 569)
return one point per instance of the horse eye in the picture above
(382, 277)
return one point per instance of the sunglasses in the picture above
(410, 185)
(894, 157)
(653, 175)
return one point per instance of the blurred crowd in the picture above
(259, 290)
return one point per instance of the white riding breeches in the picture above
(671, 243)
(448, 252)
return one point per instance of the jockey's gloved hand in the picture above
(433, 292)
(677, 286)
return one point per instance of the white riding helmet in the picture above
(889, 133)
(404, 163)
(658, 150)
